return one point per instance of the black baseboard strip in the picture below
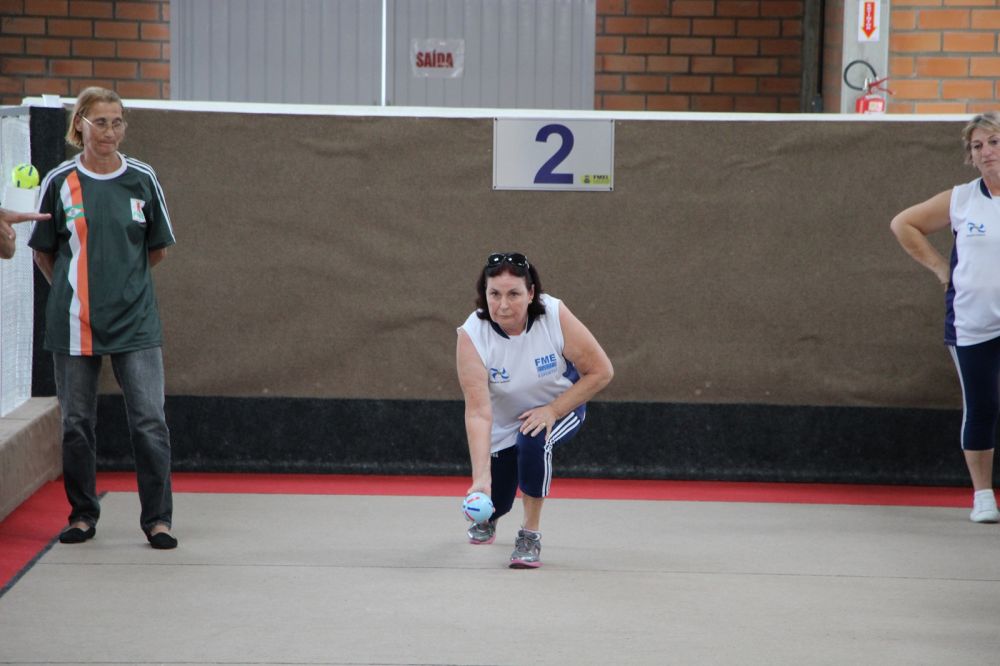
(621, 440)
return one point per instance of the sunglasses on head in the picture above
(515, 259)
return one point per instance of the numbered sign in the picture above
(533, 154)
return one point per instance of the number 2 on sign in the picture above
(547, 174)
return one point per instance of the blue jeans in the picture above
(140, 376)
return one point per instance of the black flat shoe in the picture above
(76, 535)
(161, 541)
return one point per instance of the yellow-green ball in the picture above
(25, 176)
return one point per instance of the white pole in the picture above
(385, 65)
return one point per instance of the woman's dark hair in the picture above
(527, 271)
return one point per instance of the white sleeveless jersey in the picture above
(973, 298)
(523, 371)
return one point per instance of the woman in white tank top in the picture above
(527, 367)
(971, 280)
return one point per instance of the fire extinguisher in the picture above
(871, 101)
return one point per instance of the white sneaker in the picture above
(984, 508)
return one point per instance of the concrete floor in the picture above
(335, 579)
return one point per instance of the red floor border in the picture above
(33, 526)
(620, 489)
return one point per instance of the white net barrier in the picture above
(16, 278)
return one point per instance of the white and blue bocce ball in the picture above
(478, 507)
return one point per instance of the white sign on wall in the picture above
(869, 20)
(437, 58)
(530, 154)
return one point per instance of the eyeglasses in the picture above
(102, 125)
(515, 259)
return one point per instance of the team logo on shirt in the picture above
(137, 206)
(499, 375)
(73, 212)
(976, 229)
(546, 365)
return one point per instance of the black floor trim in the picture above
(619, 440)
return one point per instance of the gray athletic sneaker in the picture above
(527, 550)
(482, 534)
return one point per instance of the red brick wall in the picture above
(62, 46)
(699, 55)
(943, 56)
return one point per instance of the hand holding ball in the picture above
(25, 176)
(478, 507)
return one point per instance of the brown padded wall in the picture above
(735, 262)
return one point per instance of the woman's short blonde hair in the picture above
(986, 121)
(89, 97)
